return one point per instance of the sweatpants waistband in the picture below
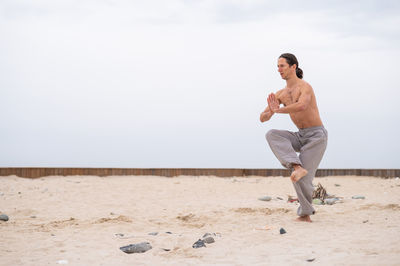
(308, 129)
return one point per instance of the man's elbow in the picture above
(301, 107)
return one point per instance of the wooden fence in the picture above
(170, 172)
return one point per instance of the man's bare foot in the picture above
(305, 218)
(298, 173)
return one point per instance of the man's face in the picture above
(284, 69)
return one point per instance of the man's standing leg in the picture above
(310, 155)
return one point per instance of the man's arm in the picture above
(266, 115)
(300, 105)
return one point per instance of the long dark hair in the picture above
(291, 60)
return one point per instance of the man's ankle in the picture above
(296, 166)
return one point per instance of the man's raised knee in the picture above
(271, 133)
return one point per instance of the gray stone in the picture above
(358, 197)
(207, 234)
(198, 244)
(3, 217)
(337, 185)
(331, 201)
(153, 233)
(265, 198)
(282, 231)
(210, 234)
(208, 240)
(136, 248)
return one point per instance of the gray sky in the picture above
(182, 83)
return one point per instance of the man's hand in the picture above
(273, 103)
(265, 116)
(268, 112)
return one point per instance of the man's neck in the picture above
(291, 82)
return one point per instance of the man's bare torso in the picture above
(306, 118)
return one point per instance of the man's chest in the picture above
(289, 96)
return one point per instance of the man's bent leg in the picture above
(298, 173)
(284, 145)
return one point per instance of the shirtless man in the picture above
(310, 141)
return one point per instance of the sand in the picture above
(76, 220)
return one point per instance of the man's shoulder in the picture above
(279, 92)
(305, 86)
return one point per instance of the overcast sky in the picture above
(181, 83)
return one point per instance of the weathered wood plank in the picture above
(35, 172)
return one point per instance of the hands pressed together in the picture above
(273, 107)
(273, 103)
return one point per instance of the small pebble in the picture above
(166, 249)
(337, 185)
(358, 197)
(168, 233)
(136, 248)
(331, 201)
(282, 231)
(198, 244)
(265, 198)
(111, 213)
(3, 217)
(279, 198)
(311, 260)
(208, 240)
(366, 221)
(209, 234)
(33, 216)
(153, 233)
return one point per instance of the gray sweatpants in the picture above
(311, 144)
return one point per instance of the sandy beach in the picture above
(84, 220)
